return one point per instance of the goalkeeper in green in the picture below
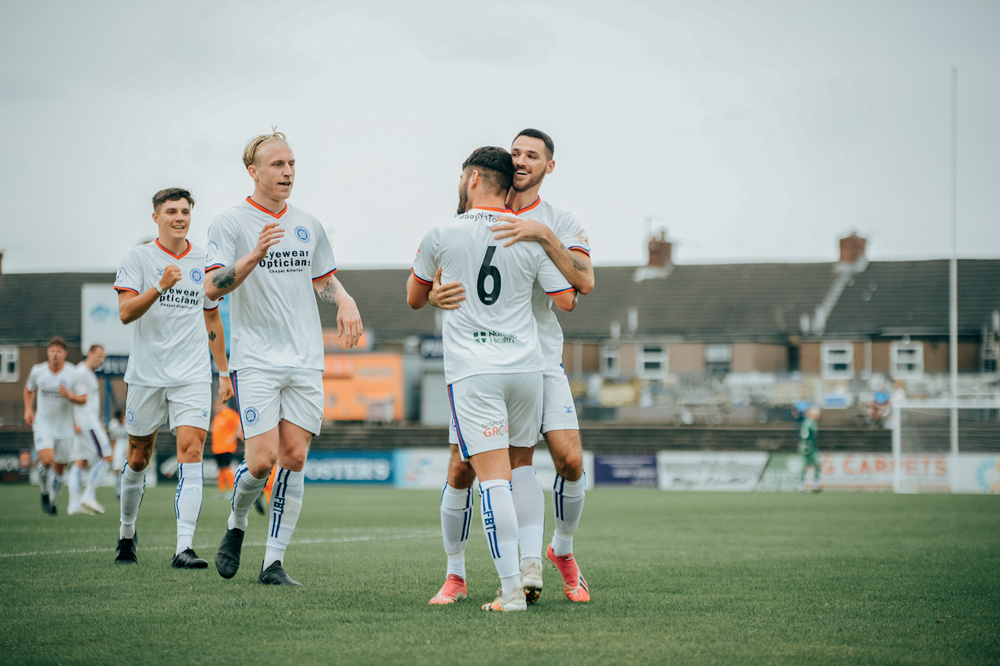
(807, 448)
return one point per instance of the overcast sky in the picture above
(752, 131)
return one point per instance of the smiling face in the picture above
(531, 162)
(173, 217)
(273, 170)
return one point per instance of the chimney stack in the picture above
(852, 249)
(660, 251)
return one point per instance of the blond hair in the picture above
(250, 151)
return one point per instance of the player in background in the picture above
(169, 375)
(566, 244)
(272, 257)
(225, 433)
(119, 447)
(492, 358)
(52, 424)
(91, 447)
(808, 449)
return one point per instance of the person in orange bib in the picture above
(225, 431)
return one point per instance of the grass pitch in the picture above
(675, 578)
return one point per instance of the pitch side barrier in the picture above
(737, 471)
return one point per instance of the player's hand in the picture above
(445, 296)
(29, 417)
(76, 429)
(349, 324)
(225, 387)
(63, 391)
(519, 229)
(269, 236)
(171, 276)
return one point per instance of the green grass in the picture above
(675, 577)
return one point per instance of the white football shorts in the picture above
(147, 407)
(558, 409)
(62, 447)
(91, 444)
(493, 412)
(265, 397)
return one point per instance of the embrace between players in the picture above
(502, 349)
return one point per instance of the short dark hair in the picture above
(171, 194)
(539, 134)
(496, 166)
(57, 342)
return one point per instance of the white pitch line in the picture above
(95, 549)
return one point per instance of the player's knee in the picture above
(461, 475)
(260, 467)
(570, 467)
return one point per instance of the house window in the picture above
(991, 352)
(651, 361)
(718, 359)
(907, 360)
(837, 360)
(9, 364)
(610, 363)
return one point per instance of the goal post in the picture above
(946, 446)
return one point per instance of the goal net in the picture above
(946, 446)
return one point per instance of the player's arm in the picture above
(446, 296)
(75, 398)
(418, 291)
(29, 400)
(573, 264)
(217, 345)
(132, 305)
(565, 300)
(348, 317)
(227, 278)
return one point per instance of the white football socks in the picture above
(500, 526)
(133, 487)
(94, 480)
(74, 485)
(56, 482)
(567, 501)
(187, 502)
(246, 490)
(286, 504)
(43, 479)
(529, 505)
(456, 520)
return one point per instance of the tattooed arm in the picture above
(217, 345)
(573, 264)
(349, 324)
(222, 281)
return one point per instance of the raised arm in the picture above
(573, 264)
(348, 317)
(226, 278)
(217, 345)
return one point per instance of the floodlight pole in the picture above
(953, 268)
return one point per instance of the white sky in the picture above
(753, 131)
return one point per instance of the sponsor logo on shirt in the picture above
(286, 261)
(181, 298)
(302, 234)
(494, 428)
(495, 337)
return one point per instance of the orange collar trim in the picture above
(525, 210)
(175, 256)
(265, 210)
(495, 210)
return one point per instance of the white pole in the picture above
(953, 270)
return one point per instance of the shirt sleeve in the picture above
(323, 264)
(129, 276)
(552, 281)
(221, 248)
(425, 264)
(572, 234)
(32, 383)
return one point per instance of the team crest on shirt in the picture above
(130, 416)
(302, 234)
(250, 415)
(196, 275)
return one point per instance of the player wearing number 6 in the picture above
(492, 358)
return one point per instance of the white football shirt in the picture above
(564, 225)
(54, 415)
(275, 320)
(494, 331)
(170, 343)
(87, 415)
